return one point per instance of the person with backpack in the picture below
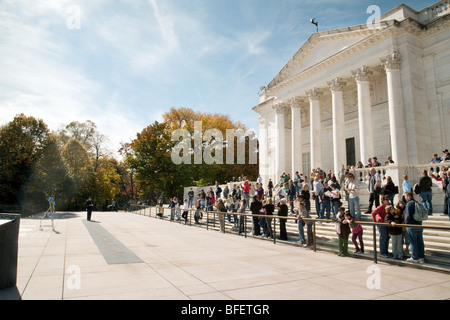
(414, 216)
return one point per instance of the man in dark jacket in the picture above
(292, 193)
(415, 234)
(426, 194)
(283, 211)
(255, 208)
(89, 208)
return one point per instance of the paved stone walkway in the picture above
(126, 256)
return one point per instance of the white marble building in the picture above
(353, 93)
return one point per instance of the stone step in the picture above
(437, 242)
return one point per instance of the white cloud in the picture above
(40, 76)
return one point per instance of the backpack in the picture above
(420, 213)
(416, 188)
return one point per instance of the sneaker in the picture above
(412, 260)
(421, 260)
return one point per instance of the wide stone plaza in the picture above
(122, 256)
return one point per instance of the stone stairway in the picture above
(437, 242)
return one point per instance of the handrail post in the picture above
(314, 236)
(245, 226)
(374, 244)
(206, 219)
(273, 231)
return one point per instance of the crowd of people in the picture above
(293, 195)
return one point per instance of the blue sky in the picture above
(123, 63)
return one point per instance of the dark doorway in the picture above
(351, 154)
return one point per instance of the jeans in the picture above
(309, 233)
(317, 207)
(300, 231)
(262, 224)
(291, 200)
(384, 240)
(353, 203)
(426, 197)
(325, 205)
(415, 236)
(335, 207)
(247, 197)
(391, 199)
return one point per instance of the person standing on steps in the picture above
(415, 234)
(283, 212)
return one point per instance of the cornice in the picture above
(392, 28)
(260, 108)
(379, 35)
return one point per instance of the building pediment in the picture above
(321, 46)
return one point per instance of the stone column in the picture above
(316, 127)
(397, 122)
(263, 159)
(296, 132)
(339, 152)
(366, 142)
(280, 162)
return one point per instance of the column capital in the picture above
(337, 85)
(281, 107)
(391, 61)
(362, 74)
(296, 102)
(262, 120)
(314, 94)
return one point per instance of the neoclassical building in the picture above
(353, 93)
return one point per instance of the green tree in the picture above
(22, 142)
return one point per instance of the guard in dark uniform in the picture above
(89, 208)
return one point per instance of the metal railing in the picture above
(212, 214)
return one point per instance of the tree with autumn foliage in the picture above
(69, 165)
(156, 173)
